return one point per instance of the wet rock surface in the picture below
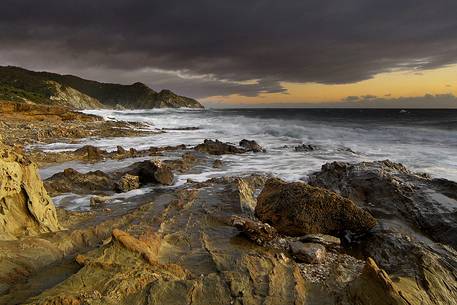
(297, 209)
(98, 201)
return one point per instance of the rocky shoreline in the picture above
(365, 233)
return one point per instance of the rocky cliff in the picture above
(25, 207)
(20, 85)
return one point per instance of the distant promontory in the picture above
(21, 85)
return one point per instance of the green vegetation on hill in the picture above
(21, 85)
(18, 85)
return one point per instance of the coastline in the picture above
(145, 237)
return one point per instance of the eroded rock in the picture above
(200, 260)
(419, 269)
(26, 208)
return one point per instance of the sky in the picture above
(351, 53)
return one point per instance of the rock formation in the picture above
(297, 209)
(409, 207)
(99, 182)
(389, 190)
(190, 258)
(26, 208)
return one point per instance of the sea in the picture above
(424, 140)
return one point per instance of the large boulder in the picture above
(151, 172)
(26, 208)
(391, 191)
(297, 209)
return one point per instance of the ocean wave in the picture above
(424, 144)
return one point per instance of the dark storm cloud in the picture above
(233, 41)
